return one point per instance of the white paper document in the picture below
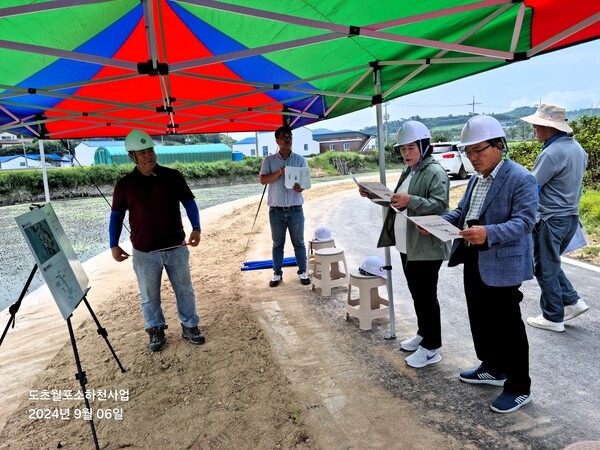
(376, 192)
(300, 175)
(440, 228)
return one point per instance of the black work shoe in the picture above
(194, 335)
(277, 278)
(157, 338)
(304, 279)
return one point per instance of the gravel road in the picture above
(85, 222)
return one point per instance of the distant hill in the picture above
(449, 127)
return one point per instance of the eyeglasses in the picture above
(285, 136)
(470, 153)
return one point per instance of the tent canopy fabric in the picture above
(98, 68)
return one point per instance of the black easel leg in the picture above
(82, 381)
(15, 307)
(102, 332)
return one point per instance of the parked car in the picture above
(454, 162)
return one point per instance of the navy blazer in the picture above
(508, 214)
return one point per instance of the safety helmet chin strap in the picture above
(424, 153)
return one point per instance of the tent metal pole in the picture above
(44, 172)
(391, 334)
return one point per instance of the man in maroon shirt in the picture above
(152, 195)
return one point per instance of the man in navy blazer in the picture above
(496, 216)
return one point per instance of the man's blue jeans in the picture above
(550, 238)
(148, 268)
(281, 220)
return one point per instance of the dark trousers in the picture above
(498, 330)
(422, 280)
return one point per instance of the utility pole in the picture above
(386, 117)
(473, 104)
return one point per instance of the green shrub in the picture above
(587, 133)
(589, 209)
(524, 153)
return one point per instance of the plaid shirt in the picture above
(480, 190)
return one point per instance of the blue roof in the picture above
(104, 143)
(52, 156)
(8, 158)
(248, 140)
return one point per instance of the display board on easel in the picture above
(55, 257)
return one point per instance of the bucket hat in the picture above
(550, 116)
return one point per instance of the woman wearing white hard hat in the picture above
(423, 189)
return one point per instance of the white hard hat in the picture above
(411, 131)
(480, 129)
(323, 233)
(138, 140)
(373, 265)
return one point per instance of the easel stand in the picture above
(14, 308)
(80, 375)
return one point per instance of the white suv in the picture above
(454, 162)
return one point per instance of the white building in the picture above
(19, 162)
(85, 150)
(303, 143)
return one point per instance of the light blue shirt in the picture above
(559, 170)
(279, 195)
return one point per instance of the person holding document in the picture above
(496, 215)
(285, 205)
(423, 189)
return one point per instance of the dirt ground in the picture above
(275, 372)
(280, 369)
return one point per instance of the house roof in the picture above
(248, 140)
(103, 143)
(9, 158)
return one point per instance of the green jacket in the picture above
(429, 192)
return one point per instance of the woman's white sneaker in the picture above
(423, 357)
(412, 344)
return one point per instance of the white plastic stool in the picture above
(326, 269)
(314, 245)
(369, 305)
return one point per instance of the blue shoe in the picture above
(482, 376)
(507, 403)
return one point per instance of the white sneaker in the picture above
(541, 322)
(423, 357)
(578, 308)
(410, 345)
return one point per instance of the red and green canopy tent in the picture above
(98, 68)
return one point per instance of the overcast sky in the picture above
(567, 78)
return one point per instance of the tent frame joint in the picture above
(353, 31)
(152, 68)
(377, 100)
